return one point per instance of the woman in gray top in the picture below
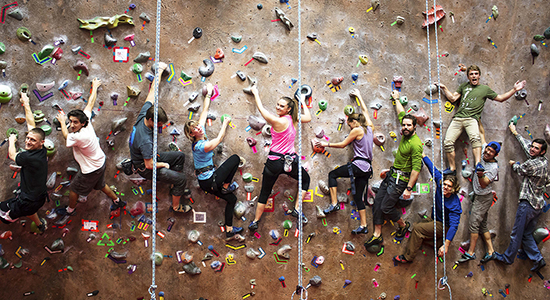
(359, 170)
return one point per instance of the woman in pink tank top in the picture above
(282, 158)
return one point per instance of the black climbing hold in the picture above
(259, 6)
(305, 90)
(197, 32)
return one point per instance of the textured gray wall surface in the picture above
(392, 50)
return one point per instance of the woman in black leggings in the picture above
(360, 167)
(282, 158)
(214, 180)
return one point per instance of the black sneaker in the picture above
(42, 227)
(64, 212)
(374, 241)
(538, 265)
(360, 230)
(295, 214)
(331, 208)
(400, 233)
(119, 204)
(448, 171)
(253, 226)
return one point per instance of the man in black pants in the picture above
(400, 180)
(169, 164)
(34, 173)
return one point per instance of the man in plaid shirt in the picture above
(531, 201)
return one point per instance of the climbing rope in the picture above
(443, 280)
(153, 286)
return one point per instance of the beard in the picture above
(407, 133)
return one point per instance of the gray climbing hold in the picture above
(118, 255)
(315, 281)
(342, 198)
(521, 95)
(109, 40)
(143, 57)
(375, 4)
(256, 123)
(350, 246)
(251, 253)
(191, 269)
(324, 187)
(51, 181)
(207, 69)
(547, 33)
(466, 173)
(193, 96)
(241, 75)
(236, 237)
(283, 251)
(319, 132)
(266, 130)
(118, 125)
(249, 188)
(194, 108)
(145, 17)
(283, 18)
(251, 83)
(236, 38)
(535, 51)
(319, 212)
(207, 256)
(16, 14)
(432, 88)
(540, 234)
(428, 143)
(259, 56)
(239, 209)
(58, 245)
(158, 258)
(193, 236)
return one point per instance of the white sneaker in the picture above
(82, 199)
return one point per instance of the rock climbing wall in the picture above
(391, 50)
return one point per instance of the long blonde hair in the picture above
(359, 117)
(293, 104)
(189, 126)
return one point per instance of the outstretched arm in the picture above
(452, 97)
(212, 144)
(12, 152)
(28, 112)
(357, 94)
(269, 117)
(96, 83)
(206, 105)
(62, 118)
(306, 116)
(151, 95)
(517, 87)
(398, 107)
(355, 132)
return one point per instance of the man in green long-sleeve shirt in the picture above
(400, 180)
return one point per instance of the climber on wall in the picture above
(169, 164)
(400, 180)
(360, 167)
(531, 201)
(282, 158)
(34, 172)
(212, 179)
(472, 97)
(87, 152)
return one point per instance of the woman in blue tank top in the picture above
(212, 179)
(359, 170)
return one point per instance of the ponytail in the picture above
(359, 117)
(293, 105)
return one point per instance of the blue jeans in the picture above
(522, 232)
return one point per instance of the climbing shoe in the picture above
(400, 233)
(480, 168)
(295, 213)
(253, 225)
(538, 265)
(488, 257)
(118, 204)
(401, 259)
(64, 212)
(182, 208)
(448, 171)
(374, 241)
(42, 227)
(234, 231)
(230, 189)
(360, 230)
(331, 208)
(126, 166)
(466, 257)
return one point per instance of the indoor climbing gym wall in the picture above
(329, 49)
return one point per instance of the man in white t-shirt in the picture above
(87, 153)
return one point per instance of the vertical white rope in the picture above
(433, 153)
(444, 278)
(153, 286)
(300, 206)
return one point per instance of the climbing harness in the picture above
(153, 286)
(441, 283)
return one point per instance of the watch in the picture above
(409, 188)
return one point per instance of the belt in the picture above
(282, 156)
(203, 170)
(400, 173)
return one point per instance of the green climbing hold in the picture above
(348, 110)
(18, 264)
(2, 48)
(404, 100)
(237, 39)
(159, 258)
(137, 68)
(5, 93)
(513, 120)
(185, 77)
(23, 34)
(70, 268)
(47, 129)
(109, 22)
(3, 263)
(45, 52)
(323, 105)
(224, 116)
(50, 147)
(38, 116)
(537, 38)
(11, 131)
(287, 224)
(247, 177)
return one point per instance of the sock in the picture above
(116, 201)
(70, 210)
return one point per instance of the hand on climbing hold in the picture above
(254, 90)
(395, 95)
(355, 93)
(441, 85)
(162, 66)
(13, 138)
(96, 83)
(513, 128)
(511, 162)
(24, 99)
(226, 120)
(61, 117)
(320, 144)
(209, 90)
(442, 251)
(519, 85)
